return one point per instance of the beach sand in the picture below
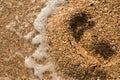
(83, 39)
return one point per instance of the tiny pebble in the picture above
(114, 48)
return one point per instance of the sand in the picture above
(83, 38)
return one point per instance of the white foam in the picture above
(16, 17)
(39, 24)
(40, 52)
(29, 35)
(38, 39)
(32, 1)
(11, 25)
(42, 18)
(55, 77)
(40, 69)
(40, 55)
(34, 79)
(29, 62)
(5, 78)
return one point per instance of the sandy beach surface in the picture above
(83, 38)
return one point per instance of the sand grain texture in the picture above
(83, 39)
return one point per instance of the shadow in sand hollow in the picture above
(104, 49)
(79, 23)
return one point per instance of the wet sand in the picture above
(83, 39)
